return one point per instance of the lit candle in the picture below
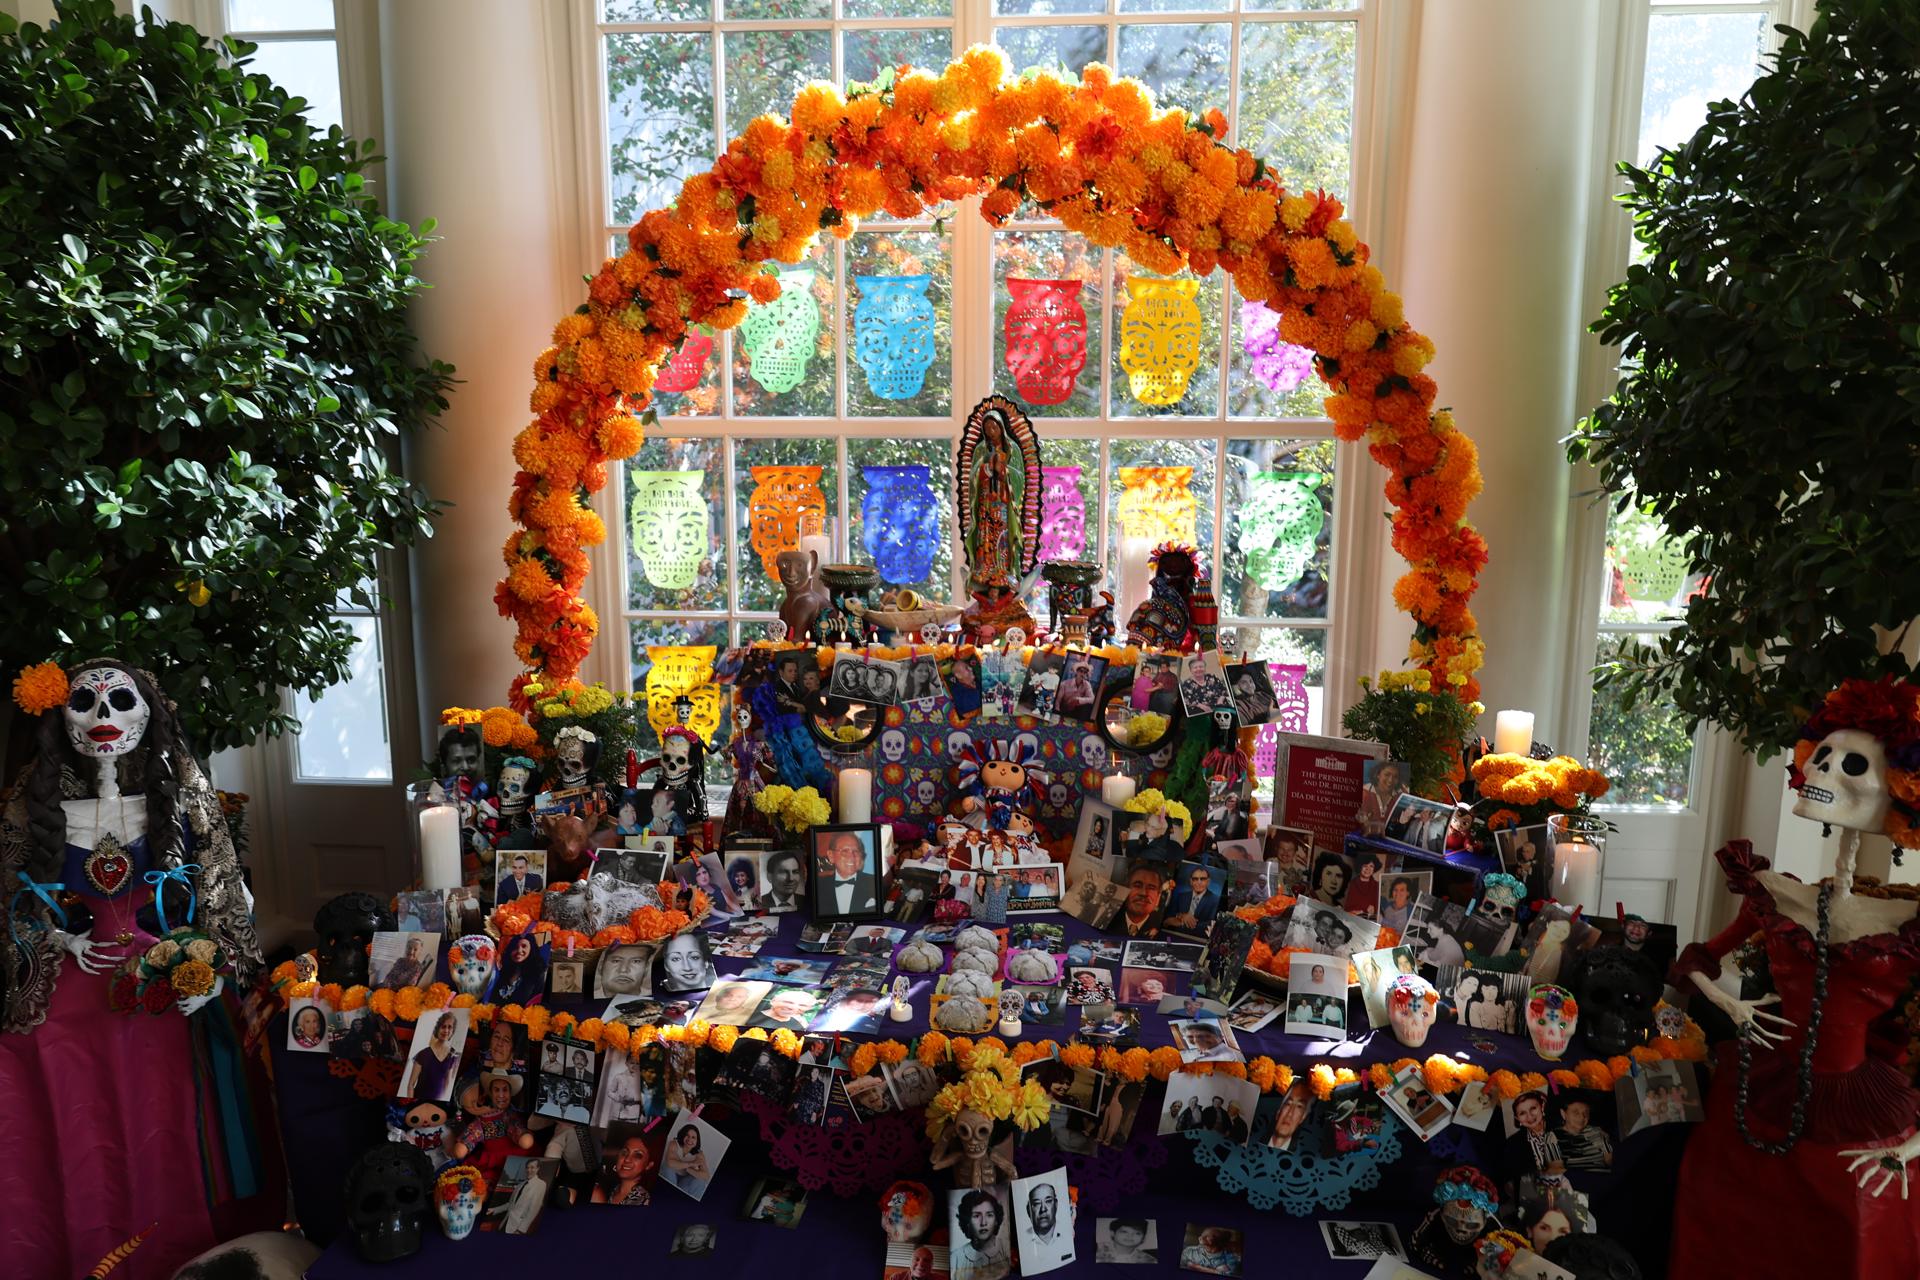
(856, 795)
(1513, 732)
(440, 847)
(1135, 569)
(1576, 874)
(1116, 789)
(821, 545)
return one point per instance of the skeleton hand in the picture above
(1888, 1162)
(91, 956)
(1746, 1014)
(191, 1005)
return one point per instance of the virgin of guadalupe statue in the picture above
(115, 810)
(997, 475)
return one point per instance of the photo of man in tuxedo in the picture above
(846, 873)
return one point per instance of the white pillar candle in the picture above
(1135, 571)
(821, 545)
(440, 847)
(1116, 789)
(1513, 732)
(856, 795)
(1576, 874)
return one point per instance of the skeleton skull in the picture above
(458, 1196)
(676, 761)
(1058, 795)
(1845, 782)
(106, 716)
(470, 963)
(974, 1131)
(516, 784)
(926, 793)
(1463, 1220)
(1093, 752)
(1411, 1004)
(388, 1193)
(1163, 755)
(1617, 990)
(1552, 1015)
(574, 750)
(1012, 1005)
(957, 743)
(893, 746)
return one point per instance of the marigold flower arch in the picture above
(1094, 151)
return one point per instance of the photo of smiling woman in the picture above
(627, 1168)
(523, 972)
(685, 963)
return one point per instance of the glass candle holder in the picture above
(1579, 857)
(434, 819)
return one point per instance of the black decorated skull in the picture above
(1093, 752)
(389, 1198)
(893, 746)
(575, 752)
(106, 716)
(1617, 990)
(1844, 782)
(346, 926)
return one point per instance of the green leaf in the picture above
(308, 176)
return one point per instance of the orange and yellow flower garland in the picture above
(1098, 156)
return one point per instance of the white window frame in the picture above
(1354, 597)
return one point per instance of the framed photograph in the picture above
(692, 1155)
(1217, 1103)
(1078, 695)
(980, 1232)
(783, 881)
(1253, 1011)
(1317, 996)
(522, 871)
(920, 680)
(433, 1056)
(1361, 1240)
(1330, 932)
(1375, 970)
(1203, 683)
(1151, 986)
(629, 1164)
(1213, 1251)
(1043, 1222)
(1286, 1119)
(1420, 822)
(625, 970)
(1198, 890)
(307, 1026)
(1251, 686)
(775, 1200)
(1224, 957)
(1094, 838)
(872, 681)
(1162, 955)
(1045, 670)
(1408, 1097)
(1126, 1240)
(683, 963)
(401, 960)
(1317, 783)
(846, 875)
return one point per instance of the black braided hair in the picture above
(151, 769)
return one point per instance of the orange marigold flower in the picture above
(40, 687)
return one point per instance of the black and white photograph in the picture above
(1408, 1097)
(1330, 931)
(399, 960)
(1203, 683)
(1374, 970)
(1157, 954)
(846, 872)
(694, 1240)
(1253, 1011)
(567, 977)
(1327, 882)
(1133, 1241)
(433, 1056)
(1361, 1240)
(1317, 996)
(1215, 1103)
(1078, 695)
(873, 681)
(1093, 839)
(1433, 930)
(567, 908)
(1666, 1092)
(1043, 1222)
(635, 866)
(1482, 999)
(920, 680)
(1526, 855)
(522, 871)
(1045, 671)
(633, 1088)
(980, 1233)
(567, 1080)
(1419, 822)
(683, 963)
(1094, 900)
(1251, 685)
(1205, 1040)
(783, 881)
(692, 1154)
(625, 970)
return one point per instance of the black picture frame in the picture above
(821, 892)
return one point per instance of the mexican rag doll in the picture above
(118, 1120)
(1802, 1165)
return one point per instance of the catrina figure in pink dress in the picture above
(118, 1121)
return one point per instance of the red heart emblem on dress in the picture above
(109, 871)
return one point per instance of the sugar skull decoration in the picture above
(1046, 331)
(1497, 913)
(1465, 1200)
(1277, 365)
(781, 496)
(906, 1212)
(678, 670)
(106, 715)
(779, 335)
(575, 753)
(1496, 1252)
(1857, 763)
(893, 334)
(1012, 1006)
(683, 371)
(670, 526)
(346, 925)
(1160, 338)
(470, 960)
(458, 1195)
(1280, 526)
(1412, 1003)
(388, 1194)
(516, 786)
(1552, 1015)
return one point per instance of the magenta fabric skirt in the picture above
(102, 1139)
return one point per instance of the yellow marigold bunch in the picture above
(460, 716)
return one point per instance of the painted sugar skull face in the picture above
(106, 715)
(1552, 1014)
(1670, 1022)
(893, 746)
(1012, 1005)
(1411, 1006)
(470, 963)
(676, 761)
(974, 1131)
(1463, 1220)
(1845, 782)
(571, 752)
(457, 1197)
(516, 785)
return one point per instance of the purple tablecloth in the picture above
(326, 1125)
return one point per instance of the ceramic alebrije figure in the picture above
(112, 810)
(1810, 1128)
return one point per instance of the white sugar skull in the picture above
(1552, 1016)
(957, 743)
(926, 793)
(1844, 783)
(457, 1197)
(1012, 1005)
(516, 782)
(1058, 795)
(1669, 1021)
(1093, 752)
(676, 760)
(470, 963)
(572, 747)
(1411, 1005)
(1163, 756)
(106, 715)
(893, 746)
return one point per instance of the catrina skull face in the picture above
(514, 783)
(1552, 1015)
(1844, 783)
(975, 1133)
(676, 761)
(106, 716)
(1463, 1220)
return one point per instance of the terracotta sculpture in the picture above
(967, 1148)
(806, 593)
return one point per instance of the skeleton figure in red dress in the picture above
(1802, 1165)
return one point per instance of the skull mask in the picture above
(346, 926)
(1617, 990)
(388, 1191)
(893, 746)
(1552, 1014)
(1462, 1219)
(676, 761)
(106, 715)
(457, 1197)
(574, 750)
(1845, 782)
(470, 962)
(1093, 752)
(974, 1131)
(1411, 1003)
